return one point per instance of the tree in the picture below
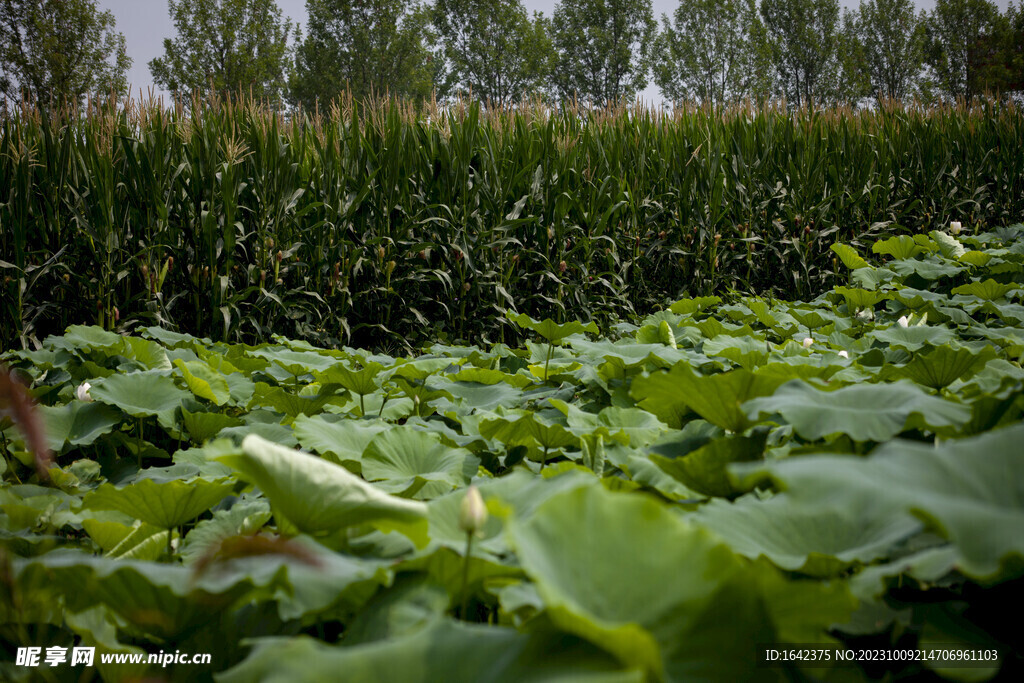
(892, 36)
(956, 32)
(363, 46)
(230, 45)
(803, 36)
(604, 48)
(494, 48)
(59, 51)
(711, 53)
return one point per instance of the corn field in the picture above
(377, 225)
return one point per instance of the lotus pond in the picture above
(658, 501)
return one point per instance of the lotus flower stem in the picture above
(465, 576)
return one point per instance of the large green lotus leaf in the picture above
(361, 382)
(899, 247)
(528, 430)
(748, 351)
(871, 278)
(865, 412)
(705, 470)
(443, 650)
(400, 610)
(628, 426)
(77, 423)
(290, 403)
(156, 599)
(630, 353)
(204, 381)
(202, 458)
(860, 298)
(148, 354)
(203, 426)
(716, 398)
(164, 504)
(337, 439)
(989, 290)
(476, 396)
(297, 362)
(927, 566)
(246, 516)
(317, 496)
(970, 490)
(913, 338)
(948, 245)
(138, 542)
(663, 611)
(90, 336)
(404, 460)
(695, 305)
(806, 538)
(929, 269)
(849, 256)
(140, 394)
(944, 365)
(549, 329)
(489, 377)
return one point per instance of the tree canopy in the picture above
(494, 49)
(365, 47)
(56, 51)
(604, 48)
(227, 45)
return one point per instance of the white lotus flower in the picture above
(82, 392)
(844, 354)
(472, 511)
(807, 342)
(903, 321)
(954, 228)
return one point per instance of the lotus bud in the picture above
(170, 263)
(117, 314)
(844, 354)
(807, 342)
(472, 511)
(954, 228)
(82, 392)
(903, 321)
(279, 256)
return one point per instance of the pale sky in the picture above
(145, 24)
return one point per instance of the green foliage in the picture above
(713, 52)
(227, 46)
(494, 50)
(362, 48)
(604, 49)
(956, 33)
(893, 40)
(803, 40)
(59, 52)
(653, 511)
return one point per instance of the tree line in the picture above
(596, 52)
